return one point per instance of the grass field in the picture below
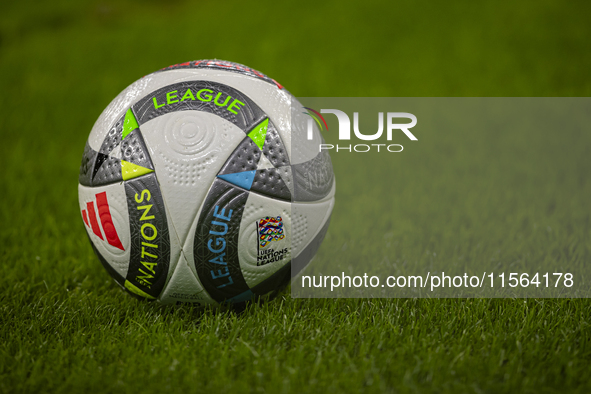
(66, 327)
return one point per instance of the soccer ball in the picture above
(192, 188)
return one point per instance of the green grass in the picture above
(66, 327)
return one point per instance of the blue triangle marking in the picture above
(242, 179)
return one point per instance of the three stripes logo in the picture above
(106, 221)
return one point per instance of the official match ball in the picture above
(192, 188)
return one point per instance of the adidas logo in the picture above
(106, 221)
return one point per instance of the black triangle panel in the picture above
(244, 158)
(134, 150)
(313, 180)
(274, 148)
(113, 137)
(87, 165)
(100, 159)
(109, 171)
(269, 183)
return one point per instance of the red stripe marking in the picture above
(85, 217)
(93, 223)
(277, 83)
(220, 64)
(107, 221)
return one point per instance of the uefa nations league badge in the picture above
(271, 240)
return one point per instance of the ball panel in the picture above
(270, 183)
(107, 170)
(113, 137)
(115, 111)
(215, 246)
(206, 96)
(121, 157)
(314, 179)
(225, 66)
(302, 148)
(115, 253)
(245, 157)
(274, 149)
(264, 244)
(134, 150)
(150, 252)
(276, 282)
(304, 258)
(275, 102)
(184, 286)
(87, 165)
(308, 219)
(113, 273)
(188, 148)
